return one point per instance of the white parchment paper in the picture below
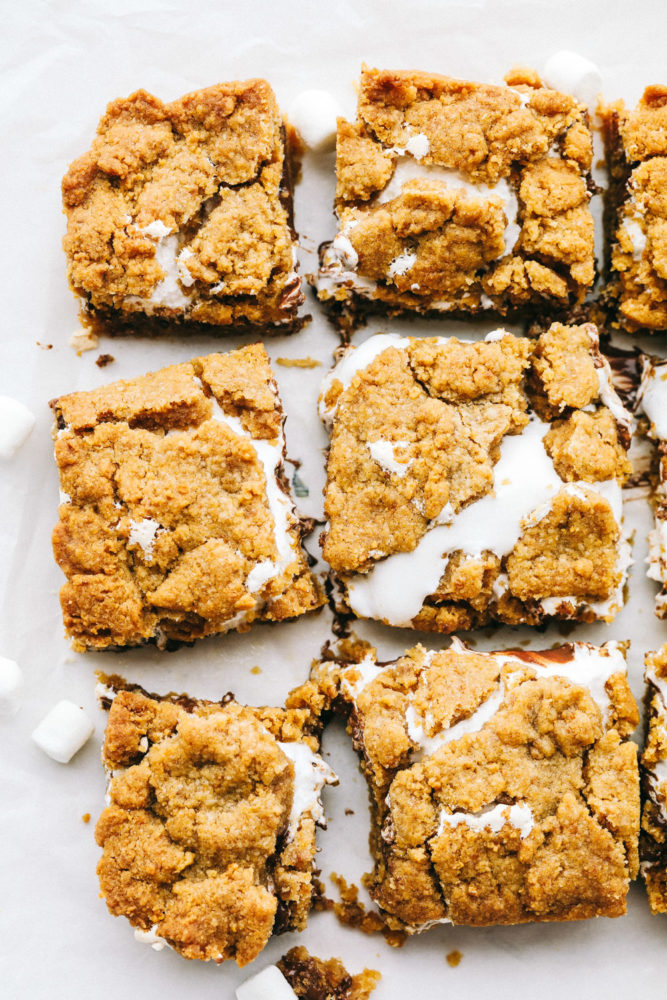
(60, 63)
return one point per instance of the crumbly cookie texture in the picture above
(460, 197)
(175, 520)
(503, 786)
(325, 979)
(637, 211)
(183, 211)
(653, 842)
(469, 482)
(652, 403)
(208, 837)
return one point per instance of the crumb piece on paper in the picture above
(352, 912)
(298, 362)
(44, 347)
(349, 812)
(255, 670)
(104, 359)
(83, 340)
(86, 818)
(454, 958)
(311, 977)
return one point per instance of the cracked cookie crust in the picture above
(182, 211)
(469, 482)
(653, 840)
(459, 197)
(208, 837)
(636, 212)
(175, 519)
(503, 785)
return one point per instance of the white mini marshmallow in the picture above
(16, 422)
(313, 114)
(269, 984)
(63, 731)
(11, 682)
(573, 74)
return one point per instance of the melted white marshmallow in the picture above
(356, 359)
(311, 773)
(493, 819)
(383, 452)
(143, 534)
(652, 398)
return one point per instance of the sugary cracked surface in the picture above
(503, 786)
(200, 850)
(314, 978)
(653, 843)
(475, 481)
(637, 211)
(182, 211)
(174, 521)
(459, 197)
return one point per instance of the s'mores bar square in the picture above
(476, 481)
(503, 785)
(652, 403)
(459, 197)
(175, 520)
(637, 211)
(653, 843)
(183, 211)
(208, 837)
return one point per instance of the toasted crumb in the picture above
(45, 347)
(104, 359)
(255, 670)
(352, 912)
(86, 817)
(318, 979)
(298, 362)
(83, 340)
(454, 958)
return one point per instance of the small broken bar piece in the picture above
(636, 212)
(183, 212)
(175, 516)
(652, 402)
(314, 978)
(460, 198)
(503, 785)
(208, 837)
(475, 482)
(653, 840)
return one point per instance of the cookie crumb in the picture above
(312, 977)
(298, 362)
(349, 812)
(86, 817)
(83, 340)
(255, 670)
(104, 359)
(352, 912)
(454, 958)
(45, 347)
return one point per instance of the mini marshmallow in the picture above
(11, 682)
(269, 984)
(313, 114)
(16, 422)
(571, 73)
(63, 731)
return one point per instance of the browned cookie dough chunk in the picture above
(175, 520)
(469, 482)
(182, 211)
(503, 785)
(653, 842)
(637, 211)
(209, 834)
(314, 978)
(652, 404)
(459, 197)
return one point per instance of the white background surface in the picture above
(60, 63)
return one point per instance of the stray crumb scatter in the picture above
(298, 362)
(45, 347)
(454, 958)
